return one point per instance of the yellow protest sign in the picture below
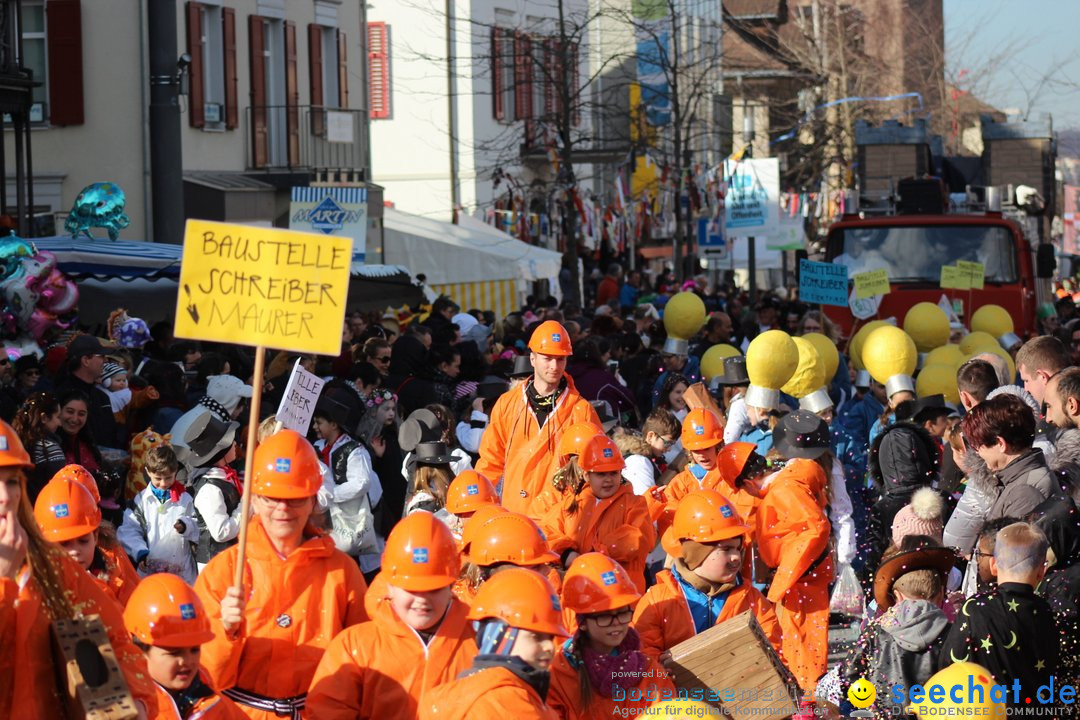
(868, 284)
(953, 278)
(975, 271)
(265, 287)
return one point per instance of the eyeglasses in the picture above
(385, 359)
(668, 442)
(606, 619)
(291, 502)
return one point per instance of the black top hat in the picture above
(208, 436)
(734, 372)
(421, 426)
(608, 419)
(522, 367)
(26, 363)
(339, 405)
(801, 434)
(433, 453)
(491, 389)
(929, 407)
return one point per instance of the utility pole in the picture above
(166, 158)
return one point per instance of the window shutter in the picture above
(64, 51)
(497, 79)
(523, 67)
(260, 138)
(379, 70)
(342, 70)
(315, 72)
(196, 94)
(575, 82)
(292, 94)
(551, 63)
(228, 35)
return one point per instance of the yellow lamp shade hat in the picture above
(771, 360)
(978, 341)
(857, 340)
(945, 355)
(684, 315)
(826, 348)
(971, 683)
(890, 355)
(992, 319)
(928, 326)
(809, 374)
(712, 362)
(938, 379)
(816, 401)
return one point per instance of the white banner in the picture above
(298, 403)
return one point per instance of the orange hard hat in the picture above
(286, 466)
(421, 554)
(732, 459)
(469, 491)
(596, 583)
(12, 452)
(704, 516)
(473, 524)
(701, 429)
(509, 537)
(550, 338)
(165, 611)
(80, 475)
(66, 510)
(601, 455)
(574, 438)
(522, 599)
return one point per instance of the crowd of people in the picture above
(526, 515)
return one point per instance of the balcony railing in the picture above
(305, 137)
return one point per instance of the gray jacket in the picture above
(1024, 484)
(968, 518)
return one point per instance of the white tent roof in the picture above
(470, 252)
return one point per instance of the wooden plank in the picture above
(89, 675)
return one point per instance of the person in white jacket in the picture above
(159, 529)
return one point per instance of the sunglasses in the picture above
(606, 619)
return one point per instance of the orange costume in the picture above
(489, 693)
(120, 578)
(295, 606)
(27, 675)
(793, 538)
(212, 707)
(565, 694)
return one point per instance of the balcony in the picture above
(305, 138)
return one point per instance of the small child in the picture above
(569, 479)
(466, 494)
(903, 645)
(1010, 630)
(160, 530)
(114, 381)
(518, 617)
(431, 479)
(644, 453)
(216, 487)
(502, 539)
(168, 623)
(67, 514)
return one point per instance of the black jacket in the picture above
(903, 459)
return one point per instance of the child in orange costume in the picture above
(168, 622)
(792, 534)
(705, 585)
(417, 639)
(299, 591)
(67, 515)
(39, 583)
(518, 618)
(505, 540)
(467, 493)
(602, 670)
(605, 517)
(569, 478)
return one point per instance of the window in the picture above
(34, 56)
(213, 57)
(379, 70)
(211, 36)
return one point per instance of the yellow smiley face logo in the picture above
(862, 693)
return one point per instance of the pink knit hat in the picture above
(922, 516)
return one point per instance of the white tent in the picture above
(479, 266)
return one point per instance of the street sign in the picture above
(332, 211)
(711, 240)
(264, 287)
(752, 202)
(823, 283)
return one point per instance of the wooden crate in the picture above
(737, 668)
(89, 675)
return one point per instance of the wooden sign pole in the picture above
(249, 460)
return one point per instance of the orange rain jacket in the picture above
(792, 533)
(122, 578)
(664, 500)
(515, 448)
(490, 693)
(618, 526)
(565, 694)
(27, 676)
(662, 617)
(215, 707)
(382, 669)
(295, 607)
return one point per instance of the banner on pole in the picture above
(298, 403)
(823, 283)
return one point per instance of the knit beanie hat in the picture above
(922, 516)
(110, 370)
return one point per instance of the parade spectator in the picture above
(629, 292)
(76, 435)
(215, 485)
(672, 396)
(643, 452)
(431, 479)
(85, 360)
(1039, 359)
(608, 289)
(595, 379)
(378, 430)
(377, 352)
(37, 423)
(439, 321)
(27, 376)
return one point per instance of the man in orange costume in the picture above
(705, 586)
(299, 591)
(520, 445)
(417, 639)
(792, 534)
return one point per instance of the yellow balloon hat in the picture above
(857, 340)
(992, 319)
(938, 379)
(928, 326)
(978, 341)
(712, 362)
(945, 355)
(684, 315)
(771, 360)
(809, 374)
(826, 348)
(972, 684)
(890, 356)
